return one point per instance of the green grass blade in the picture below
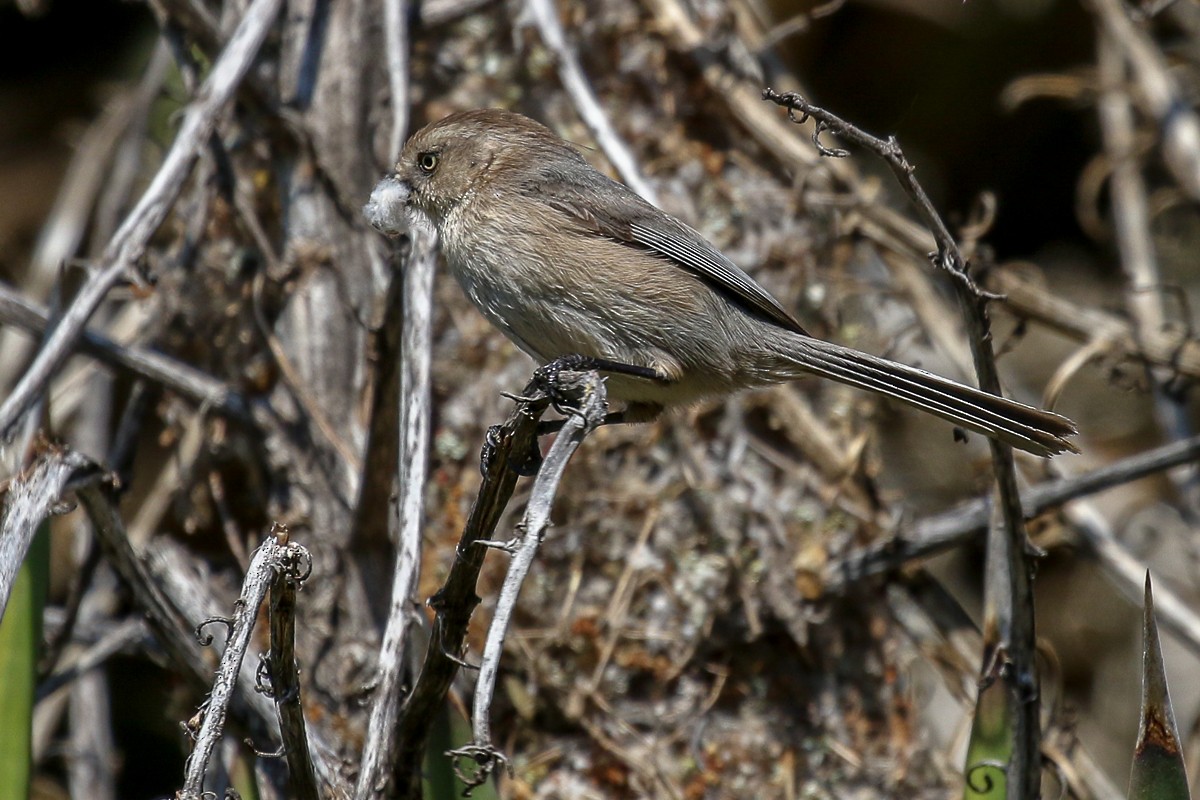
(450, 731)
(990, 748)
(20, 638)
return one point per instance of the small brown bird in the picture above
(567, 262)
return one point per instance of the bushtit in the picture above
(567, 262)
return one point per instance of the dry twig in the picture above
(958, 525)
(456, 600)
(590, 403)
(164, 370)
(129, 242)
(274, 556)
(406, 511)
(1180, 125)
(545, 16)
(284, 671)
(1009, 588)
(29, 499)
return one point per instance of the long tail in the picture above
(1040, 432)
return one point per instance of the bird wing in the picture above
(613, 210)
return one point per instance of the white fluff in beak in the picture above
(387, 210)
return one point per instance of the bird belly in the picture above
(588, 307)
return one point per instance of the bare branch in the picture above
(171, 626)
(271, 558)
(577, 86)
(1176, 350)
(129, 242)
(29, 499)
(163, 370)
(456, 600)
(1139, 262)
(959, 525)
(407, 508)
(115, 640)
(591, 404)
(1158, 91)
(285, 672)
(1009, 590)
(1129, 574)
(395, 33)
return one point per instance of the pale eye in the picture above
(428, 162)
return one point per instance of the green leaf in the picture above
(990, 749)
(450, 731)
(20, 638)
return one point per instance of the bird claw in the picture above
(487, 454)
(548, 380)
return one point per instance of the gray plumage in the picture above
(564, 260)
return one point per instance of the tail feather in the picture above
(1040, 432)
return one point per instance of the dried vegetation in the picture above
(699, 621)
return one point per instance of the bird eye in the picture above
(428, 162)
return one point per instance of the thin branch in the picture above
(1129, 574)
(1139, 262)
(84, 571)
(796, 24)
(1159, 93)
(193, 432)
(743, 99)
(1009, 592)
(272, 557)
(183, 378)
(29, 499)
(1131, 211)
(293, 380)
(545, 16)
(173, 629)
(406, 509)
(948, 256)
(589, 397)
(456, 600)
(1151, 8)
(1176, 350)
(128, 243)
(116, 639)
(370, 538)
(174, 571)
(285, 672)
(86, 178)
(960, 525)
(949, 639)
(93, 755)
(395, 34)
(171, 626)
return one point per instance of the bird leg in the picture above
(546, 379)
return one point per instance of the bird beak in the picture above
(387, 210)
